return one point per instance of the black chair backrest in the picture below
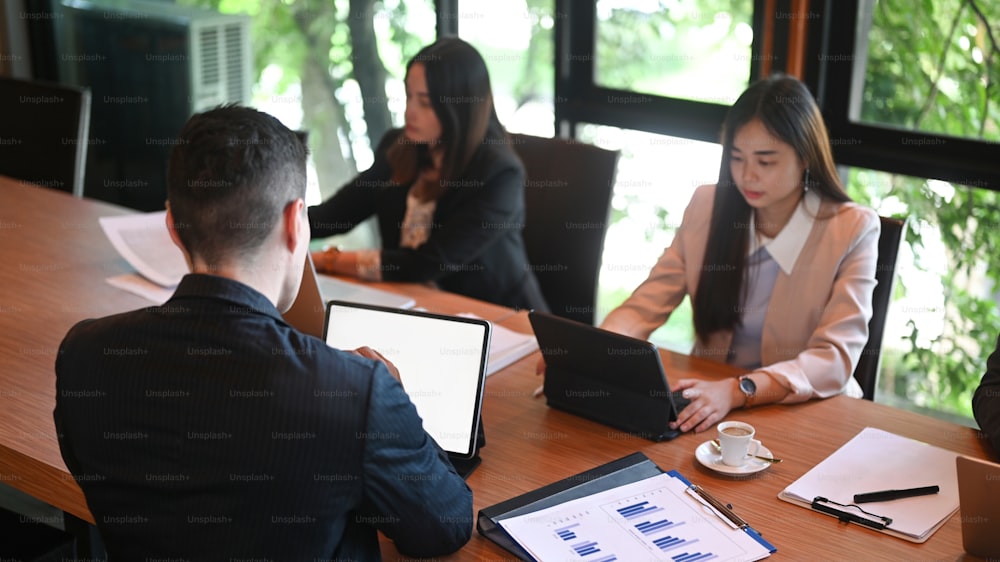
(568, 200)
(43, 133)
(868, 366)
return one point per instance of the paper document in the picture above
(506, 346)
(144, 242)
(875, 460)
(652, 519)
(139, 285)
(332, 288)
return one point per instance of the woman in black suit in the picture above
(447, 189)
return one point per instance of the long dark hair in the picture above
(788, 111)
(458, 84)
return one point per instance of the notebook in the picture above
(607, 377)
(979, 500)
(441, 362)
(307, 312)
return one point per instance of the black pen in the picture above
(889, 495)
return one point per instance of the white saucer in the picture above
(709, 456)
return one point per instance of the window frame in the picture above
(579, 99)
(882, 147)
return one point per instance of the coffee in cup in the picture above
(736, 441)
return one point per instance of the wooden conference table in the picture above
(55, 260)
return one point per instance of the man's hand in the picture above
(370, 353)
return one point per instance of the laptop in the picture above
(307, 312)
(979, 502)
(441, 362)
(606, 377)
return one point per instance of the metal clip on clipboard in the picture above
(839, 510)
(723, 510)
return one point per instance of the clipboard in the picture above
(624, 471)
(878, 460)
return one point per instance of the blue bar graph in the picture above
(670, 543)
(694, 557)
(638, 510)
(628, 509)
(648, 528)
(611, 558)
(565, 534)
(586, 547)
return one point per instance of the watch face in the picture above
(748, 386)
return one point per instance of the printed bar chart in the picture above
(638, 510)
(565, 533)
(585, 548)
(653, 519)
(694, 557)
(648, 528)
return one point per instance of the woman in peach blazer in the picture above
(779, 264)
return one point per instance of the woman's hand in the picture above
(325, 260)
(710, 402)
(540, 371)
(334, 262)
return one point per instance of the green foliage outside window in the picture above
(935, 67)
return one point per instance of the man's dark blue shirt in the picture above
(208, 429)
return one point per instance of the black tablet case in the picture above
(633, 468)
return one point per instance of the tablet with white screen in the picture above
(441, 361)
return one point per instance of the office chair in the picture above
(567, 200)
(868, 366)
(44, 133)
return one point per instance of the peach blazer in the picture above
(816, 324)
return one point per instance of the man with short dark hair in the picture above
(209, 429)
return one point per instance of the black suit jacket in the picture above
(986, 400)
(475, 247)
(209, 429)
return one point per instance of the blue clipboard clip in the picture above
(842, 513)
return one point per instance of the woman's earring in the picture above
(805, 181)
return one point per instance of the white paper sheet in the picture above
(653, 519)
(875, 460)
(143, 240)
(139, 285)
(506, 346)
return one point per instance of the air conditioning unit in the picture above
(150, 66)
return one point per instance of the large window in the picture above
(943, 320)
(515, 38)
(949, 51)
(691, 50)
(911, 104)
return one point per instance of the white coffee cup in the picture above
(736, 441)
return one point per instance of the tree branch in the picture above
(940, 70)
(989, 64)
